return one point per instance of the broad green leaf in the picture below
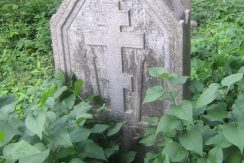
(178, 80)
(60, 91)
(51, 116)
(217, 112)
(241, 70)
(232, 79)
(166, 76)
(102, 108)
(165, 158)
(65, 153)
(218, 140)
(149, 157)
(36, 124)
(202, 160)
(79, 134)
(170, 96)
(36, 158)
(192, 140)
(60, 106)
(61, 122)
(59, 77)
(232, 155)
(149, 140)
(99, 128)
(238, 109)
(208, 96)
(241, 84)
(50, 92)
(234, 134)
(153, 94)
(6, 110)
(82, 118)
(70, 101)
(150, 131)
(76, 160)
(110, 151)
(78, 87)
(85, 116)
(60, 137)
(215, 155)
(168, 124)
(152, 121)
(157, 71)
(50, 103)
(40, 146)
(175, 152)
(6, 100)
(196, 86)
(239, 102)
(207, 131)
(22, 149)
(9, 132)
(92, 150)
(183, 111)
(115, 129)
(2, 136)
(161, 159)
(128, 157)
(81, 108)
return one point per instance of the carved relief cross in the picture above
(114, 40)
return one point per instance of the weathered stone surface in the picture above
(111, 44)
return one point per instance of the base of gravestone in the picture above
(131, 137)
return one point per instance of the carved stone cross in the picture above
(114, 40)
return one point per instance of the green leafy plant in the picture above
(207, 129)
(217, 42)
(57, 125)
(205, 11)
(25, 44)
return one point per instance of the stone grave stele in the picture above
(111, 44)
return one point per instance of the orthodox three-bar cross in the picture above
(114, 39)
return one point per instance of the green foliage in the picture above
(218, 11)
(217, 43)
(25, 44)
(208, 96)
(153, 94)
(58, 125)
(201, 130)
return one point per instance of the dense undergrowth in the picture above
(206, 129)
(58, 125)
(218, 41)
(25, 44)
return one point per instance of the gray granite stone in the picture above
(111, 44)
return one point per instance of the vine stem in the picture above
(167, 85)
(105, 139)
(235, 122)
(190, 157)
(171, 95)
(232, 114)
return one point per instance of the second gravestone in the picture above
(111, 44)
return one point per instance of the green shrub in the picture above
(218, 41)
(25, 44)
(207, 129)
(205, 11)
(57, 125)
